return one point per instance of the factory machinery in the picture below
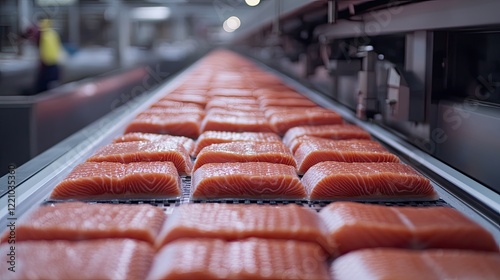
(422, 77)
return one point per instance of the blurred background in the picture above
(111, 51)
(103, 35)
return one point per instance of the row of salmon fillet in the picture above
(240, 133)
(345, 240)
(240, 153)
(236, 169)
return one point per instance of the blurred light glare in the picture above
(226, 27)
(233, 22)
(151, 13)
(252, 3)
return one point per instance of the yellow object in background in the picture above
(50, 44)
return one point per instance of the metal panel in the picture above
(469, 140)
(60, 114)
(15, 135)
(428, 15)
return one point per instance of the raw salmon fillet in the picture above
(270, 111)
(183, 124)
(208, 138)
(188, 98)
(282, 122)
(225, 122)
(230, 101)
(366, 180)
(245, 152)
(168, 111)
(139, 151)
(175, 104)
(82, 221)
(335, 132)
(237, 111)
(247, 259)
(240, 221)
(247, 108)
(186, 142)
(114, 180)
(416, 265)
(266, 93)
(287, 102)
(313, 152)
(354, 226)
(255, 180)
(93, 259)
(230, 92)
(190, 91)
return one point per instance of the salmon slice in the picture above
(240, 221)
(183, 124)
(198, 88)
(95, 259)
(113, 180)
(190, 91)
(230, 92)
(235, 111)
(335, 132)
(282, 122)
(208, 138)
(189, 98)
(416, 265)
(312, 152)
(186, 142)
(287, 102)
(234, 85)
(252, 108)
(224, 122)
(247, 259)
(354, 226)
(266, 93)
(235, 99)
(255, 180)
(82, 221)
(139, 151)
(245, 152)
(168, 111)
(366, 180)
(175, 104)
(231, 103)
(295, 143)
(269, 111)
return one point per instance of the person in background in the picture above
(49, 49)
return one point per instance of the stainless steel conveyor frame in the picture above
(35, 179)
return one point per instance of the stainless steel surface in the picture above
(426, 15)
(367, 104)
(468, 138)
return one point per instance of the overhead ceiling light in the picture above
(227, 28)
(150, 13)
(233, 22)
(252, 3)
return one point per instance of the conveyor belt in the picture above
(36, 188)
